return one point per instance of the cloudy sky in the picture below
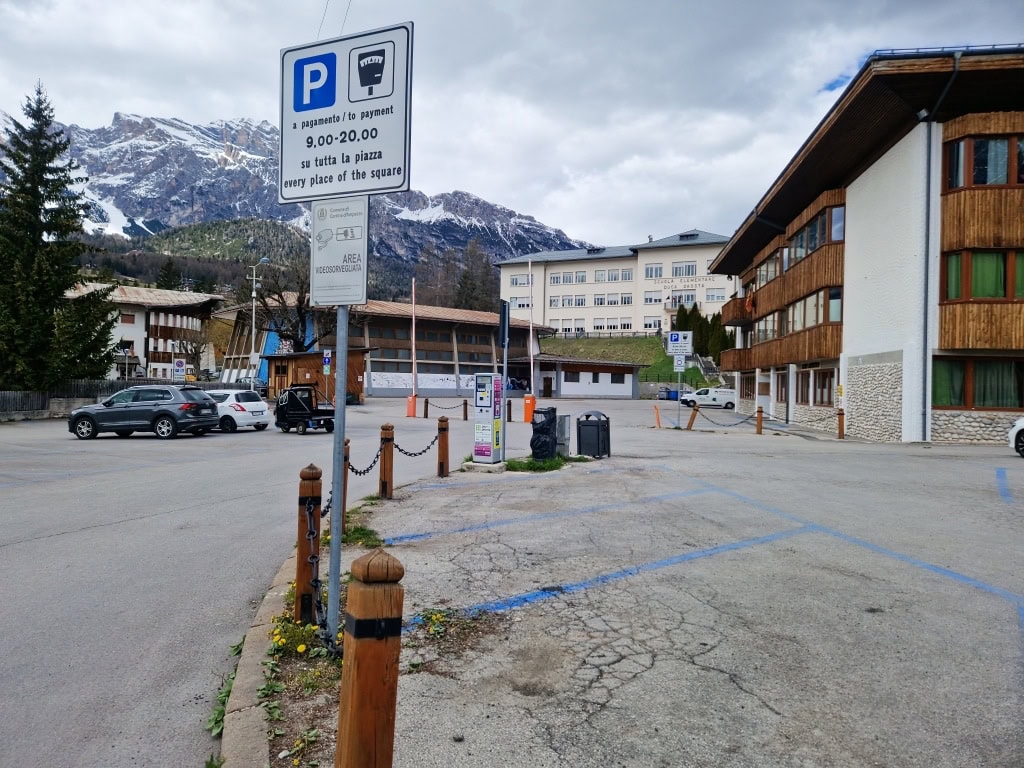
(610, 120)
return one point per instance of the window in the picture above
(613, 324)
(598, 299)
(803, 387)
(127, 318)
(618, 378)
(984, 161)
(837, 224)
(781, 387)
(581, 277)
(566, 278)
(598, 323)
(626, 298)
(519, 302)
(523, 279)
(595, 378)
(978, 383)
(651, 322)
(599, 275)
(652, 297)
(571, 377)
(827, 226)
(627, 275)
(613, 275)
(556, 279)
(581, 325)
(613, 299)
(983, 275)
(626, 323)
(567, 301)
(683, 298)
(566, 326)
(651, 271)
(824, 383)
(715, 294)
(747, 386)
(554, 301)
(835, 305)
(684, 268)
(581, 301)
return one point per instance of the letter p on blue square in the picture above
(315, 82)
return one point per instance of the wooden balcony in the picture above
(735, 312)
(736, 360)
(981, 325)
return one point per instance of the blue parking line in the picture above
(538, 595)
(1003, 485)
(400, 539)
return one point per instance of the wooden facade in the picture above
(982, 325)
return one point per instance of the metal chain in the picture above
(418, 453)
(320, 611)
(446, 407)
(366, 471)
(720, 424)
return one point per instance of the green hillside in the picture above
(644, 350)
(241, 240)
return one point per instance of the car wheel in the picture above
(123, 432)
(85, 428)
(228, 424)
(260, 427)
(286, 428)
(329, 425)
(165, 428)
(300, 428)
(1019, 443)
(730, 406)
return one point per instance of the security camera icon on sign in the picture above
(372, 72)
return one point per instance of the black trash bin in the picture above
(593, 435)
(544, 442)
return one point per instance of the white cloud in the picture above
(612, 121)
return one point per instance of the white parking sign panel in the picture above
(337, 274)
(345, 109)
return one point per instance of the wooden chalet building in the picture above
(883, 271)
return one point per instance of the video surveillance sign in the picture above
(337, 269)
(345, 116)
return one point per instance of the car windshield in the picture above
(248, 396)
(220, 397)
(196, 395)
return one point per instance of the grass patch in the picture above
(542, 465)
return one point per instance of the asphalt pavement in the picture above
(709, 597)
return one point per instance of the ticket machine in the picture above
(487, 445)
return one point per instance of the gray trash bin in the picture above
(593, 435)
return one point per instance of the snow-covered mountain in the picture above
(147, 174)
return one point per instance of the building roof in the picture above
(574, 254)
(689, 238)
(547, 357)
(146, 297)
(428, 312)
(893, 92)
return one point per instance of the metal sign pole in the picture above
(338, 473)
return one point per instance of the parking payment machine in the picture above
(487, 447)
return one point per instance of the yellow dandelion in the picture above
(282, 642)
(301, 648)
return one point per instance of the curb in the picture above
(244, 741)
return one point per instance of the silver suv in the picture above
(161, 408)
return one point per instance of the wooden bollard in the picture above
(693, 418)
(842, 424)
(760, 418)
(344, 485)
(387, 461)
(442, 447)
(369, 678)
(307, 544)
(465, 410)
(426, 406)
(508, 410)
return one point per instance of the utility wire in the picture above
(327, 5)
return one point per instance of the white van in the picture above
(713, 397)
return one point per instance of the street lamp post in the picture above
(252, 349)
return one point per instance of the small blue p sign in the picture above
(314, 85)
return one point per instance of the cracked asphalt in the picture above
(718, 598)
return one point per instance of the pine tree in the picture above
(170, 277)
(40, 217)
(478, 285)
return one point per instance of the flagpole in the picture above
(529, 270)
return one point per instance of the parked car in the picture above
(1017, 436)
(165, 409)
(259, 385)
(715, 397)
(240, 408)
